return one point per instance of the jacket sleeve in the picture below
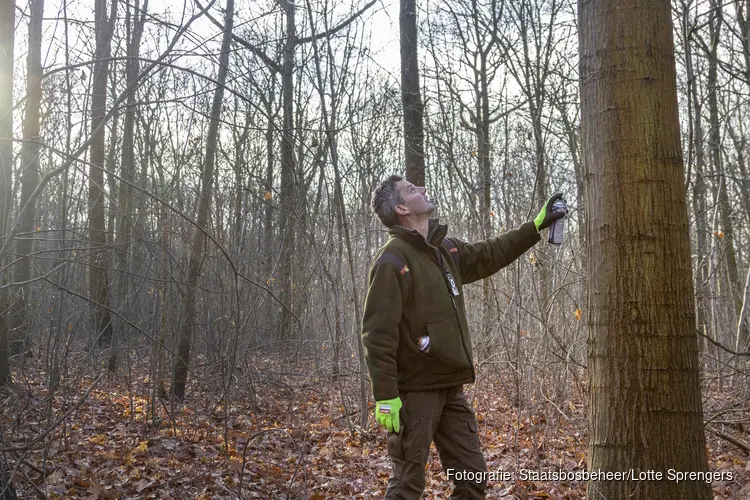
(485, 258)
(382, 314)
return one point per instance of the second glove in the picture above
(386, 413)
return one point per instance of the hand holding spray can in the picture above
(557, 229)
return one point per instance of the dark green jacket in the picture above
(409, 296)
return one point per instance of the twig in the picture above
(739, 444)
(56, 422)
(721, 346)
(28, 464)
(244, 453)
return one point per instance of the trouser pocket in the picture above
(410, 443)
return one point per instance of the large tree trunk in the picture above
(411, 97)
(644, 400)
(29, 173)
(101, 319)
(187, 326)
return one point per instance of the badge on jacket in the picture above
(451, 284)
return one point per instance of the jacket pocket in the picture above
(446, 344)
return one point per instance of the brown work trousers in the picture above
(443, 416)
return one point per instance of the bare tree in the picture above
(722, 194)
(7, 29)
(411, 96)
(644, 398)
(198, 246)
(29, 172)
(330, 122)
(696, 165)
(101, 324)
(135, 19)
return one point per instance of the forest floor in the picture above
(298, 444)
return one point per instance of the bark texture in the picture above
(644, 400)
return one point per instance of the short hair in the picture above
(385, 197)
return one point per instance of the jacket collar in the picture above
(435, 234)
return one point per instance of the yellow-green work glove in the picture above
(546, 217)
(386, 413)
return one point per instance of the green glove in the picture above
(386, 413)
(546, 217)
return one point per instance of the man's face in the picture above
(414, 200)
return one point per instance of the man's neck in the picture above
(421, 225)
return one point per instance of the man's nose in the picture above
(423, 189)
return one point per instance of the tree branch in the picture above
(337, 28)
(273, 65)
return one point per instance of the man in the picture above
(416, 336)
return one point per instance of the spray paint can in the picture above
(557, 229)
(424, 344)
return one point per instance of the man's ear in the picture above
(401, 210)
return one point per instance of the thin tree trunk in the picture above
(7, 30)
(644, 401)
(485, 168)
(268, 199)
(288, 176)
(7, 490)
(714, 146)
(699, 187)
(134, 22)
(101, 319)
(29, 173)
(330, 122)
(240, 146)
(187, 325)
(5, 376)
(411, 97)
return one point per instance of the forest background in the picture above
(187, 234)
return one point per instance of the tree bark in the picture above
(101, 319)
(411, 98)
(187, 326)
(644, 398)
